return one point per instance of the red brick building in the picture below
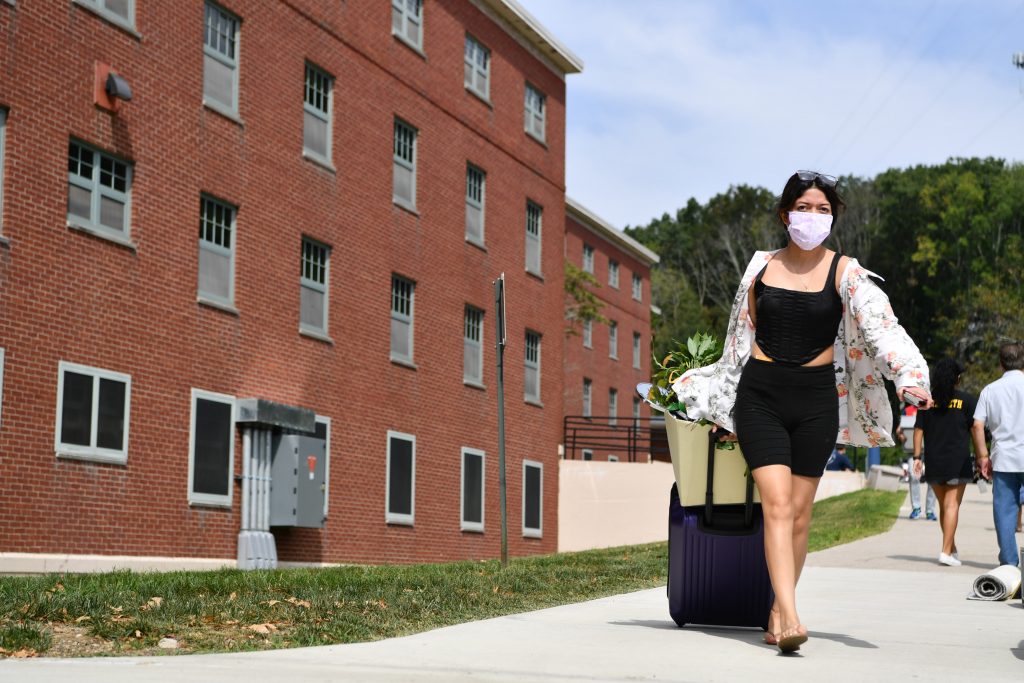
(605, 361)
(359, 173)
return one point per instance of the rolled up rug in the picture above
(1001, 583)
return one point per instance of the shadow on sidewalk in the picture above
(744, 634)
(931, 560)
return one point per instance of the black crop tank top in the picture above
(794, 327)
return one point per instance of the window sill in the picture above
(5, 242)
(398, 521)
(112, 19)
(532, 534)
(472, 529)
(226, 308)
(314, 334)
(102, 234)
(221, 111)
(483, 98)
(108, 459)
(225, 505)
(404, 363)
(318, 160)
(409, 44)
(474, 385)
(479, 245)
(405, 206)
(540, 141)
(535, 274)
(533, 402)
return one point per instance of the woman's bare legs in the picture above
(949, 498)
(802, 496)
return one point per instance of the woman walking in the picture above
(942, 438)
(810, 338)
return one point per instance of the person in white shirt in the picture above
(1001, 410)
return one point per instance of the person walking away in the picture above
(1001, 410)
(949, 467)
(908, 416)
(810, 339)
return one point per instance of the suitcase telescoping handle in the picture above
(709, 494)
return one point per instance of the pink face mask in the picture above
(808, 230)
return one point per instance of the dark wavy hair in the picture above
(795, 188)
(944, 374)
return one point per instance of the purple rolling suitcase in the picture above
(717, 574)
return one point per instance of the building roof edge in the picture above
(536, 34)
(605, 229)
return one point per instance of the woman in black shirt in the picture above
(946, 429)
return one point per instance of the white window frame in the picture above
(394, 517)
(100, 8)
(98, 191)
(218, 249)
(534, 210)
(613, 340)
(405, 17)
(539, 531)
(588, 334)
(587, 454)
(588, 397)
(613, 407)
(636, 408)
(468, 342)
(92, 451)
(473, 71)
(637, 349)
(638, 288)
(231, 62)
(463, 524)
(399, 160)
(613, 458)
(613, 273)
(532, 365)
(319, 76)
(326, 421)
(474, 203)
(403, 317)
(534, 118)
(210, 498)
(588, 258)
(311, 284)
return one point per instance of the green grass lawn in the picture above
(232, 610)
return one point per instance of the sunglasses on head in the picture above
(811, 176)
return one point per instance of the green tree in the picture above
(581, 303)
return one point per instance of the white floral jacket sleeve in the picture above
(870, 345)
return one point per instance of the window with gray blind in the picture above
(534, 116)
(588, 397)
(534, 216)
(400, 506)
(99, 191)
(93, 408)
(404, 181)
(477, 72)
(613, 340)
(313, 282)
(613, 407)
(533, 499)
(407, 21)
(220, 60)
(636, 350)
(472, 347)
(588, 259)
(118, 11)
(472, 490)
(588, 334)
(613, 274)
(316, 112)
(402, 293)
(211, 448)
(638, 288)
(216, 251)
(475, 182)
(636, 408)
(532, 367)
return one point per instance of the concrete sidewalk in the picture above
(877, 609)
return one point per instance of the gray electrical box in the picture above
(298, 481)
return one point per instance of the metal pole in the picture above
(499, 305)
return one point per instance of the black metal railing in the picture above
(635, 439)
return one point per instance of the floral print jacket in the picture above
(870, 345)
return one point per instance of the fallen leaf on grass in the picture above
(24, 653)
(272, 602)
(233, 596)
(84, 617)
(299, 603)
(153, 603)
(263, 629)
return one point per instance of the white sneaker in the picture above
(949, 560)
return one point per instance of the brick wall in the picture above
(66, 295)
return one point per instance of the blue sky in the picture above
(683, 98)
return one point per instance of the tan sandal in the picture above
(791, 639)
